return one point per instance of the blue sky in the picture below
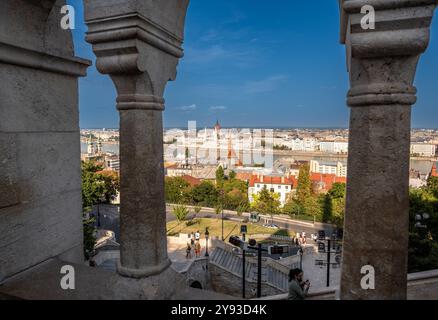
(249, 64)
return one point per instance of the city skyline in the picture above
(249, 65)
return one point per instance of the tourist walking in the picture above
(188, 251)
(197, 236)
(297, 288)
(197, 249)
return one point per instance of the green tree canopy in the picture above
(338, 190)
(205, 194)
(304, 186)
(266, 202)
(220, 177)
(177, 190)
(98, 186)
(180, 212)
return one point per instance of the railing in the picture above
(273, 272)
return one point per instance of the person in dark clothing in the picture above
(297, 288)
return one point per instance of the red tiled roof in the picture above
(192, 180)
(245, 176)
(290, 181)
(327, 179)
(433, 172)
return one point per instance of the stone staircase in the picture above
(273, 273)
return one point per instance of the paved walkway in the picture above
(317, 275)
(177, 254)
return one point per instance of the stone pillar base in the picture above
(143, 273)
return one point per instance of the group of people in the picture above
(194, 244)
(300, 239)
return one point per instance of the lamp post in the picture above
(221, 194)
(206, 241)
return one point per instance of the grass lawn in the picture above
(215, 228)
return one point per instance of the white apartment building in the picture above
(112, 162)
(308, 145)
(333, 146)
(283, 186)
(423, 149)
(337, 168)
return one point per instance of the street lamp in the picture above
(206, 241)
(222, 210)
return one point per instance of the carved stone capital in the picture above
(137, 42)
(382, 61)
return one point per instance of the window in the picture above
(286, 187)
(272, 190)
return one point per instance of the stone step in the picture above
(233, 263)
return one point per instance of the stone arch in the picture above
(40, 197)
(196, 285)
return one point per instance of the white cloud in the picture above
(218, 108)
(217, 54)
(189, 108)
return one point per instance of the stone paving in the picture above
(318, 274)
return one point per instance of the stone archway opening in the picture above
(196, 285)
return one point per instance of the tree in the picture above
(218, 209)
(313, 207)
(180, 212)
(232, 175)
(333, 209)
(267, 202)
(177, 190)
(220, 177)
(197, 209)
(338, 212)
(338, 190)
(327, 212)
(432, 185)
(89, 236)
(234, 199)
(423, 233)
(97, 187)
(241, 209)
(205, 194)
(111, 184)
(293, 208)
(304, 186)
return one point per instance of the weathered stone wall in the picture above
(198, 271)
(228, 283)
(40, 187)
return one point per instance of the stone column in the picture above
(382, 64)
(138, 43)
